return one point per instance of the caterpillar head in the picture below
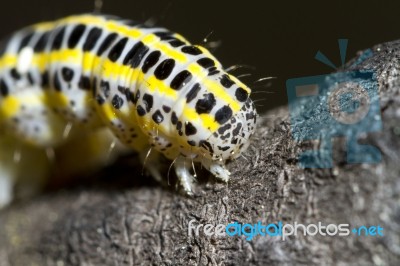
(227, 119)
(232, 138)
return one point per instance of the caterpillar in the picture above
(153, 89)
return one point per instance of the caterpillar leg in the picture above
(6, 187)
(150, 160)
(182, 169)
(22, 165)
(218, 170)
(8, 170)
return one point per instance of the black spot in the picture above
(117, 101)
(45, 79)
(190, 129)
(76, 35)
(223, 114)
(163, 34)
(150, 61)
(226, 136)
(57, 84)
(105, 87)
(193, 92)
(193, 50)
(3, 88)
(91, 39)
(137, 97)
(106, 43)
(205, 144)
(158, 117)
(181, 79)
(176, 43)
(224, 128)
(179, 125)
(164, 69)
(140, 110)
(130, 96)
(100, 100)
(174, 118)
(122, 89)
(206, 62)
(67, 74)
(237, 129)
(191, 142)
(57, 41)
(14, 74)
(205, 105)
(148, 101)
(30, 78)
(166, 36)
(241, 94)
(41, 43)
(213, 71)
(117, 49)
(136, 54)
(250, 116)
(94, 86)
(225, 148)
(166, 109)
(24, 42)
(84, 83)
(226, 81)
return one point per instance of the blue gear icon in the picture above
(342, 104)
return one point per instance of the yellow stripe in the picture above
(172, 53)
(237, 81)
(55, 99)
(123, 30)
(40, 60)
(109, 112)
(8, 61)
(84, 19)
(43, 26)
(9, 107)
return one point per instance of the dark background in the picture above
(278, 38)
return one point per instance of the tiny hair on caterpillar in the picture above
(94, 81)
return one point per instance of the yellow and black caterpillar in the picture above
(150, 86)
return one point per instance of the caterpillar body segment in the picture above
(153, 89)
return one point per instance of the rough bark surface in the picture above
(147, 224)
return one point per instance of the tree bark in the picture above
(145, 223)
